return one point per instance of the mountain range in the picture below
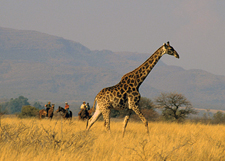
(46, 68)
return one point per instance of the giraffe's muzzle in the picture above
(176, 55)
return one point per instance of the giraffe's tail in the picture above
(93, 107)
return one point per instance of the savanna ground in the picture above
(59, 140)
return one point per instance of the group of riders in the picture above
(83, 108)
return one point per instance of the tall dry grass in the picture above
(59, 140)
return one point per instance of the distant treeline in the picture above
(14, 105)
(23, 109)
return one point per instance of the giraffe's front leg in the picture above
(141, 116)
(126, 119)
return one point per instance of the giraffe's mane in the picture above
(133, 71)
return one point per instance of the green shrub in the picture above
(28, 111)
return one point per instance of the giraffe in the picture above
(125, 94)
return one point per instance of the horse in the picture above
(50, 112)
(42, 113)
(85, 114)
(65, 113)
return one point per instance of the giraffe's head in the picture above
(167, 49)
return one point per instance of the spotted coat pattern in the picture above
(125, 94)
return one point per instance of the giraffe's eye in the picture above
(171, 49)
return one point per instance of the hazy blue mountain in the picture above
(43, 67)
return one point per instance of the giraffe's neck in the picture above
(140, 73)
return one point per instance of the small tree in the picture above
(145, 103)
(28, 111)
(175, 106)
(218, 117)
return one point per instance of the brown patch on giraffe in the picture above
(128, 81)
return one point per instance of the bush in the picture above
(28, 111)
(219, 118)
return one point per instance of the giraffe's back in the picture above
(112, 97)
(116, 96)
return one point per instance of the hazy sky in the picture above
(195, 28)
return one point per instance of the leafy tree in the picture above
(28, 111)
(15, 105)
(175, 106)
(145, 103)
(38, 105)
(219, 117)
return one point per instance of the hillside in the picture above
(43, 67)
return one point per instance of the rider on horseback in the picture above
(83, 112)
(67, 108)
(48, 106)
(83, 106)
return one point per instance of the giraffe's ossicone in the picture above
(125, 94)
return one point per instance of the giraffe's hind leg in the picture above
(94, 118)
(106, 117)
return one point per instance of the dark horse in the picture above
(65, 114)
(83, 114)
(86, 114)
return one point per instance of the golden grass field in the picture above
(59, 140)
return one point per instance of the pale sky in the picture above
(195, 28)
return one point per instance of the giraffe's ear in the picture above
(164, 45)
(168, 43)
